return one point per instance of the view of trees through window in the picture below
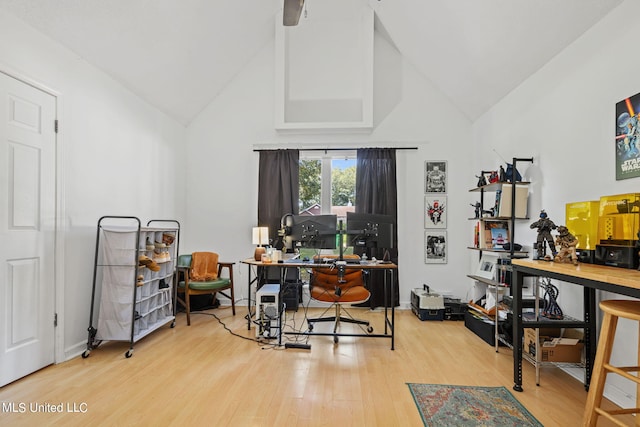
(340, 174)
(327, 184)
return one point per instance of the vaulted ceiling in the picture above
(179, 54)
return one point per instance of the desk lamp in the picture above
(260, 237)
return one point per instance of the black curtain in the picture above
(376, 193)
(278, 188)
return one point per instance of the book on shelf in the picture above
(476, 231)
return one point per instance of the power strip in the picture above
(297, 345)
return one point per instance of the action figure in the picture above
(567, 243)
(478, 208)
(502, 174)
(544, 226)
(482, 180)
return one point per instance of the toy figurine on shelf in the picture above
(493, 177)
(478, 208)
(544, 226)
(502, 174)
(482, 181)
(567, 243)
(512, 174)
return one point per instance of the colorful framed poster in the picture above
(435, 176)
(435, 211)
(435, 247)
(628, 138)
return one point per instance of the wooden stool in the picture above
(613, 309)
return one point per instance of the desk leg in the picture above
(517, 329)
(589, 300)
(249, 282)
(393, 310)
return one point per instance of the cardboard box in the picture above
(554, 346)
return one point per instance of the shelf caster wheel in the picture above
(173, 324)
(335, 340)
(310, 327)
(129, 353)
(86, 354)
(369, 329)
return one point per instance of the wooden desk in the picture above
(389, 321)
(591, 277)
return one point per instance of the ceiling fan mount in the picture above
(291, 13)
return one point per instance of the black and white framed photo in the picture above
(435, 176)
(435, 247)
(435, 211)
(487, 266)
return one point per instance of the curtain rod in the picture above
(333, 149)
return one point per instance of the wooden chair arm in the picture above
(185, 274)
(228, 266)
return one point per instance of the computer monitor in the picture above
(318, 232)
(370, 230)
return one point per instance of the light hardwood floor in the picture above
(202, 375)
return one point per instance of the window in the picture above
(327, 183)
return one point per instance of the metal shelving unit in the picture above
(130, 299)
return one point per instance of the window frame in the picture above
(326, 157)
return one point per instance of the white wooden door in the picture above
(27, 228)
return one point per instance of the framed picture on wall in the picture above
(435, 211)
(435, 176)
(627, 143)
(435, 247)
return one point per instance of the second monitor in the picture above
(370, 230)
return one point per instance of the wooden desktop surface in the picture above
(311, 264)
(599, 273)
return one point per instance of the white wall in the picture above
(409, 111)
(564, 116)
(118, 156)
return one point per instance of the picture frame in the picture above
(487, 266)
(435, 211)
(493, 234)
(627, 138)
(435, 176)
(435, 247)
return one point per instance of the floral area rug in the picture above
(450, 405)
